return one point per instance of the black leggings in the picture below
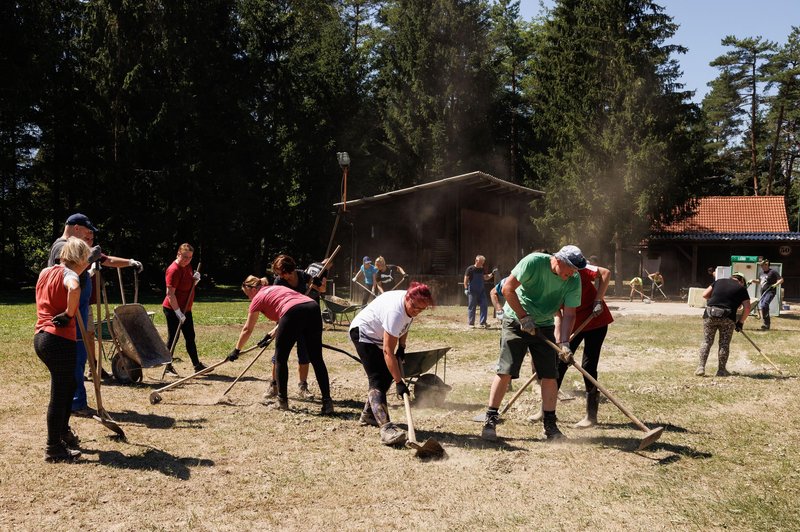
(378, 374)
(187, 329)
(60, 356)
(301, 321)
(592, 344)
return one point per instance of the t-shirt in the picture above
(728, 294)
(542, 292)
(474, 277)
(387, 313)
(302, 283)
(275, 301)
(498, 288)
(588, 276)
(387, 276)
(369, 274)
(51, 300)
(768, 278)
(180, 278)
(636, 281)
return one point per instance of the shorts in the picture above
(514, 344)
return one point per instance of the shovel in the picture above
(431, 448)
(101, 416)
(650, 435)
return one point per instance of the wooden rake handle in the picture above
(250, 365)
(761, 352)
(600, 387)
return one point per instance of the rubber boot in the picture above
(591, 411)
(327, 407)
(60, 453)
(551, 431)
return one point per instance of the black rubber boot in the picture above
(551, 431)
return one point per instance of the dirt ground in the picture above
(727, 460)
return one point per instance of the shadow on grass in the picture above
(155, 421)
(152, 459)
(764, 376)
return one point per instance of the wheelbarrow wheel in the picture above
(327, 316)
(125, 370)
(430, 390)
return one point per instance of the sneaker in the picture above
(199, 367)
(169, 369)
(105, 375)
(392, 435)
(60, 453)
(302, 391)
(272, 391)
(367, 419)
(489, 431)
(485, 325)
(700, 371)
(327, 407)
(764, 328)
(70, 438)
(276, 404)
(723, 373)
(84, 412)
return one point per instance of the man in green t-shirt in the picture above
(536, 289)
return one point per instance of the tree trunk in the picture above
(618, 288)
(753, 118)
(775, 151)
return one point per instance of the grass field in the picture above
(728, 459)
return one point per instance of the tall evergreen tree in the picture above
(616, 142)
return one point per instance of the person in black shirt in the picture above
(724, 296)
(769, 280)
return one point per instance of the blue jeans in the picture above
(473, 301)
(763, 304)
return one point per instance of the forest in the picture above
(217, 122)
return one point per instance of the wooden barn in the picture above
(721, 227)
(435, 230)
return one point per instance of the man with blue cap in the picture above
(539, 285)
(367, 271)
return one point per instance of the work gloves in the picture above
(94, 254)
(405, 276)
(402, 389)
(233, 355)
(500, 315)
(136, 264)
(466, 293)
(400, 353)
(196, 277)
(566, 353)
(354, 279)
(739, 326)
(264, 342)
(528, 325)
(61, 320)
(181, 316)
(597, 308)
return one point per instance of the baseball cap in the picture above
(80, 219)
(366, 259)
(573, 256)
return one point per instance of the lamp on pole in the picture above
(344, 162)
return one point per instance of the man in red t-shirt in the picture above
(594, 283)
(177, 305)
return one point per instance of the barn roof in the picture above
(732, 218)
(478, 182)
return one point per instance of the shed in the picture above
(435, 230)
(721, 227)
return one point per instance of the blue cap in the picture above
(81, 219)
(573, 256)
(366, 259)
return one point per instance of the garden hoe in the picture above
(250, 365)
(482, 417)
(761, 352)
(101, 416)
(650, 435)
(431, 448)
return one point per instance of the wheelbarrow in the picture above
(136, 342)
(427, 387)
(339, 311)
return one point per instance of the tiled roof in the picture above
(721, 237)
(733, 215)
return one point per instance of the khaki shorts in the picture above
(514, 344)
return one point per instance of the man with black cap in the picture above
(79, 225)
(539, 285)
(769, 280)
